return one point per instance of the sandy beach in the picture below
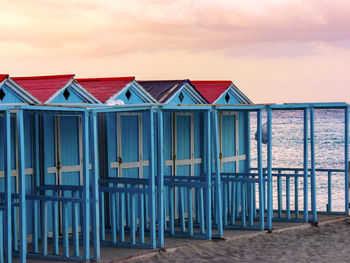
(328, 243)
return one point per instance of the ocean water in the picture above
(288, 147)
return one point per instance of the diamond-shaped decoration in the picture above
(227, 97)
(181, 97)
(66, 94)
(2, 94)
(128, 94)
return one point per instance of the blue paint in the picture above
(160, 180)
(187, 98)
(228, 97)
(346, 153)
(95, 192)
(260, 174)
(313, 168)
(218, 201)
(73, 97)
(306, 170)
(7, 162)
(10, 96)
(269, 170)
(22, 190)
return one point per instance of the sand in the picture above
(329, 243)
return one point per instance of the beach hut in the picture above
(57, 156)
(232, 123)
(124, 141)
(185, 174)
(11, 94)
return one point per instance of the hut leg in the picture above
(346, 123)
(260, 174)
(313, 168)
(208, 177)
(218, 196)
(86, 188)
(306, 170)
(160, 182)
(95, 191)
(22, 189)
(7, 155)
(269, 170)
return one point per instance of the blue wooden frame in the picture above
(244, 184)
(128, 189)
(188, 184)
(306, 173)
(6, 207)
(38, 195)
(88, 195)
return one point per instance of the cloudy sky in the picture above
(273, 50)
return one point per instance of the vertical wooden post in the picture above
(346, 123)
(313, 168)
(152, 181)
(160, 181)
(260, 174)
(296, 194)
(207, 160)
(86, 187)
(216, 150)
(269, 169)
(7, 155)
(95, 190)
(329, 205)
(36, 175)
(306, 170)
(22, 188)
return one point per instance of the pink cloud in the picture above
(104, 28)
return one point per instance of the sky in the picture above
(275, 51)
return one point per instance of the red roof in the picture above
(3, 77)
(211, 89)
(104, 88)
(43, 87)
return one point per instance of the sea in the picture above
(288, 149)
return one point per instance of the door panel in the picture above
(228, 147)
(129, 146)
(183, 145)
(70, 150)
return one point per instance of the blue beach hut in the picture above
(232, 153)
(186, 179)
(125, 151)
(10, 94)
(57, 155)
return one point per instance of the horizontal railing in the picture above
(283, 176)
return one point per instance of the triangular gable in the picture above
(173, 91)
(125, 89)
(221, 92)
(133, 93)
(12, 93)
(186, 94)
(55, 89)
(233, 96)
